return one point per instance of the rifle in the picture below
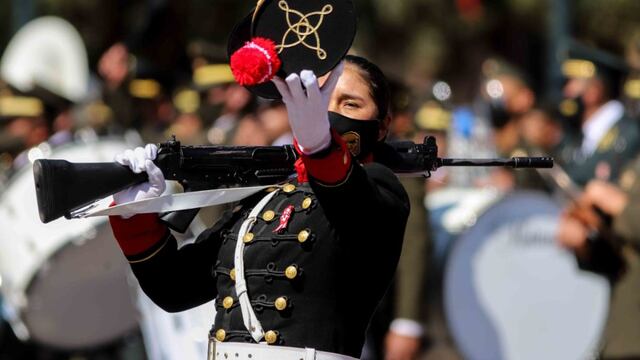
(61, 186)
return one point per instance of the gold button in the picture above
(281, 303)
(221, 335)
(227, 302)
(271, 189)
(291, 272)
(306, 203)
(232, 274)
(289, 188)
(268, 215)
(303, 235)
(248, 237)
(271, 337)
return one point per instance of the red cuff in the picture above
(138, 233)
(330, 166)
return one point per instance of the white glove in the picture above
(308, 112)
(138, 160)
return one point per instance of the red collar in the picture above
(303, 176)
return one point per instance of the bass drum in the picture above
(512, 293)
(64, 284)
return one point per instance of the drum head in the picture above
(80, 298)
(512, 293)
(65, 283)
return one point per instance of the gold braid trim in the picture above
(166, 240)
(303, 28)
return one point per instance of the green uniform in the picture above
(412, 269)
(622, 338)
(620, 144)
(622, 334)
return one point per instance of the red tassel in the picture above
(256, 62)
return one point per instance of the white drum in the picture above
(64, 284)
(512, 293)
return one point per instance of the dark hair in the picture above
(378, 85)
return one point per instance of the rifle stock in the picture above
(62, 186)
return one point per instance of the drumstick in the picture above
(558, 177)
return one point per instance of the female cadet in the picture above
(298, 271)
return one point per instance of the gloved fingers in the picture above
(295, 87)
(125, 158)
(310, 82)
(151, 151)
(123, 197)
(156, 178)
(332, 80)
(140, 157)
(282, 88)
(120, 159)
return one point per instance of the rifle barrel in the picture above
(514, 162)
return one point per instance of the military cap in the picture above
(584, 62)
(15, 104)
(211, 75)
(432, 116)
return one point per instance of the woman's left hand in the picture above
(308, 109)
(605, 196)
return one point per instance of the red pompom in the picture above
(256, 62)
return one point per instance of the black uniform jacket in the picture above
(314, 284)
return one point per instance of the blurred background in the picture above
(497, 264)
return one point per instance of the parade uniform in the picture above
(415, 260)
(613, 150)
(620, 338)
(317, 259)
(623, 326)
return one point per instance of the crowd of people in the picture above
(591, 130)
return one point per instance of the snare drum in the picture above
(64, 284)
(512, 293)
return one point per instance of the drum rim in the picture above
(456, 248)
(68, 244)
(11, 293)
(15, 173)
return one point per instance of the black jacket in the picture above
(331, 265)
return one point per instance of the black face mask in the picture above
(572, 110)
(11, 144)
(499, 114)
(360, 136)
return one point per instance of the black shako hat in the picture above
(281, 37)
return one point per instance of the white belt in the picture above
(169, 202)
(249, 317)
(243, 351)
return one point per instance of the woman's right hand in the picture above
(140, 160)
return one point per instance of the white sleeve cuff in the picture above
(406, 327)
